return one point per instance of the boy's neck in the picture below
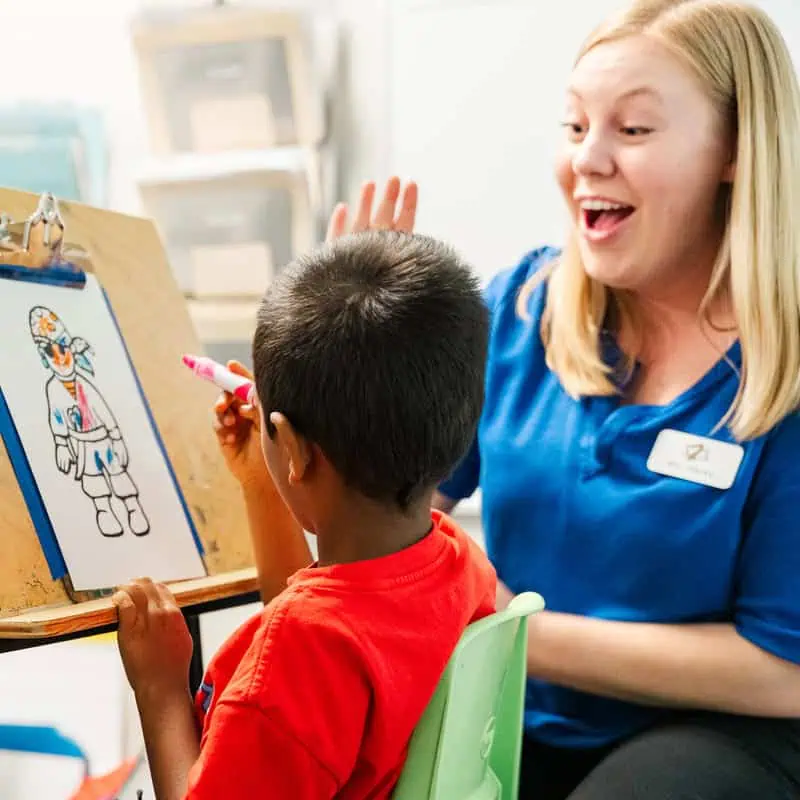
(362, 529)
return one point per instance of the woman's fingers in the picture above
(388, 214)
(384, 216)
(408, 209)
(362, 220)
(338, 223)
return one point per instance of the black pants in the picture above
(694, 757)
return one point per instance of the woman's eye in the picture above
(573, 128)
(636, 130)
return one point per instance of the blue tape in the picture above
(64, 275)
(30, 492)
(198, 542)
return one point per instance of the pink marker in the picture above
(208, 369)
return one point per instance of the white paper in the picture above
(96, 459)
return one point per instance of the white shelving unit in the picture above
(242, 164)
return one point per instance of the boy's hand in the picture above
(238, 430)
(388, 217)
(154, 640)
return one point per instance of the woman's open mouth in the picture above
(602, 219)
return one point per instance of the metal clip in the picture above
(39, 241)
(47, 212)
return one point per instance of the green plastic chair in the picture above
(467, 744)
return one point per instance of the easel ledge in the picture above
(56, 621)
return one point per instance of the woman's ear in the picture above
(729, 173)
(729, 170)
(296, 448)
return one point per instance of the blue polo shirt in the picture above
(571, 510)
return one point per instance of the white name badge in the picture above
(695, 458)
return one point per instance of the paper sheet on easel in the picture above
(96, 459)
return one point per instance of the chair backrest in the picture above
(467, 744)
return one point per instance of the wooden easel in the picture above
(127, 256)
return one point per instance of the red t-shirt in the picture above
(317, 696)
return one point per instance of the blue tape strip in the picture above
(30, 492)
(39, 739)
(198, 542)
(70, 276)
(63, 275)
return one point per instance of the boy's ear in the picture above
(296, 447)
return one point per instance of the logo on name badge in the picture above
(697, 452)
(697, 459)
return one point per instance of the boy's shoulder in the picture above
(478, 572)
(298, 625)
(341, 616)
(335, 600)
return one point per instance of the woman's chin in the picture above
(612, 270)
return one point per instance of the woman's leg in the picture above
(549, 773)
(706, 757)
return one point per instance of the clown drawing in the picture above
(84, 430)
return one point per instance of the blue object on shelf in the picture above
(57, 148)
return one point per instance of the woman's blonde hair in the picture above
(742, 61)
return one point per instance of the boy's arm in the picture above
(171, 739)
(279, 544)
(246, 752)
(156, 650)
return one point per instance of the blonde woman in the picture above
(639, 450)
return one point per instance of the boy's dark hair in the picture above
(374, 348)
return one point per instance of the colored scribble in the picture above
(89, 445)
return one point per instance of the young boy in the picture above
(369, 364)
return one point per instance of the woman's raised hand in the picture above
(395, 212)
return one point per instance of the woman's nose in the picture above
(593, 156)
